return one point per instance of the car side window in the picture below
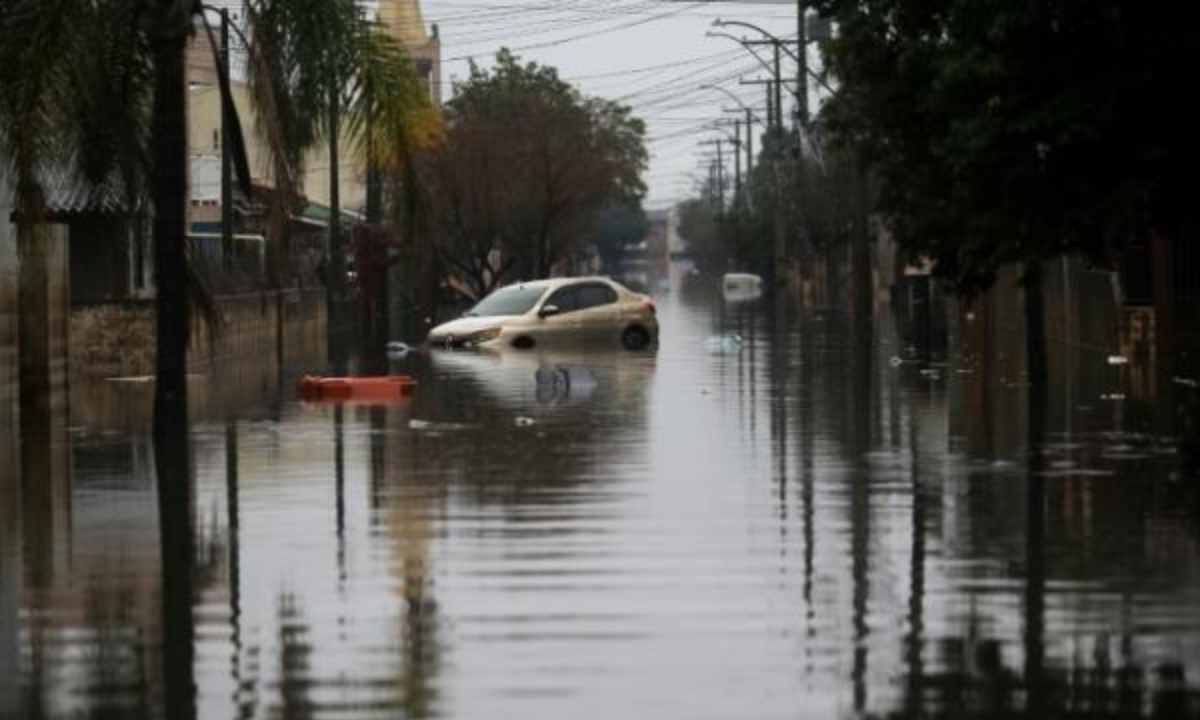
(595, 295)
(565, 299)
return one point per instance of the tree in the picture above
(1005, 133)
(614, 228)
(527, 161)
(1010, 133)
(301, 54)
(698, 226)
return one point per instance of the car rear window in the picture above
(511, 300)
(595, 295)
(582, 297)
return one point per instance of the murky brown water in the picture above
(790, 527)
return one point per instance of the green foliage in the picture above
(1004, 132)
(698, 227)
(615, 227)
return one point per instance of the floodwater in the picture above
(770, 516)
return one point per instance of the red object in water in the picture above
(387, 388)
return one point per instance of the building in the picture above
(401, 18)
(404, 21)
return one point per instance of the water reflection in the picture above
(10, 563)
(178, 566)
(798, 527)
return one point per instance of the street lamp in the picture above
(820, 31)
(750, 114)
(748, 45)
(771, 37)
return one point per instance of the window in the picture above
(511, 300)
(566, 300)
(582, 297)
(590, 296)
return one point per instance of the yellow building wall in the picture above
(204, 130)
(403, 20)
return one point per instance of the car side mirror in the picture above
(548, 311)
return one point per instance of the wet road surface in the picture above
(766, 517)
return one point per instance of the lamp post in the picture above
(778, 45)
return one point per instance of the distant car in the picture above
(741, 286)
(557, 312)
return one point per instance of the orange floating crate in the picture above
(381, 389)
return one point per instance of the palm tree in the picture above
(301, 54)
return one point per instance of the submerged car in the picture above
(557, 312)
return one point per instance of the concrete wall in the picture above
(118, 340)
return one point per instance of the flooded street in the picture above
(762, 518)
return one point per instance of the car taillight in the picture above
(649, 305)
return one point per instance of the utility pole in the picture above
(720, 171)
(749, 143)
(226, 154)
(802, 63)
(335, 288)
(770, 108)
(720, 178)
(778, 90)
(737, 163)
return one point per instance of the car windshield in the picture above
(511, 300)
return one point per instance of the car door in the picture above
(597, 315)
(563, 325)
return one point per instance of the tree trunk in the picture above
(33, 319)
(1162, 254)
(1035, 326)
(169, 190)
(336, 273)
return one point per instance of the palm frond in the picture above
(388, 116)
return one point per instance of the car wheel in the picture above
(635, 338)
(523, 342)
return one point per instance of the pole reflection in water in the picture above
(233, 532)
(339, 473)
(915, 641)
(172, 455)
(10, 565)
(1035, 563)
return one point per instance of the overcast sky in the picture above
(649, 54)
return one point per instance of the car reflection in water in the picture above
(516, 422)
(523, 379)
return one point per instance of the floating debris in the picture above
(724, 344)
(1118, 360)
(430, 426)
(524, 421)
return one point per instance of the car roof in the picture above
(562, 281)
